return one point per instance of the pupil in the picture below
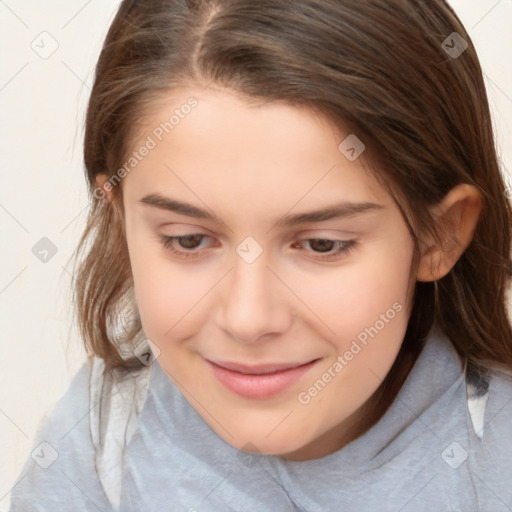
(321, 245)
(190, 241)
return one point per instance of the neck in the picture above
(367, 415)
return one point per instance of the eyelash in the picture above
(345, 246)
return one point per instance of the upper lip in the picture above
(259, 369)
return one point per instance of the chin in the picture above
(261, 443)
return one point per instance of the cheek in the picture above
(366, 306)
(353, 297)
(168, 300)
(166, 293)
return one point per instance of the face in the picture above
(270, 270)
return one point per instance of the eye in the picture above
(329, 249)
(189, 246)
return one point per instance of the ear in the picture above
(456, 218)
(104, 192)
(104, 188)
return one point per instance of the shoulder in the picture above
(498, 412)
(120, 397)
(75, 444)
(59, 469)
(492, 446)
(491, 397)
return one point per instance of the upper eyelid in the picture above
(188, 229)
(303, 237)
(296, 239)
(326, 256)
(308, 233)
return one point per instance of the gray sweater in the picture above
(427, 453)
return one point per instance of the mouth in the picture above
(259, 381)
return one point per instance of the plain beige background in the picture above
(50, 50)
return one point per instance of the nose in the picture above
(253, 304)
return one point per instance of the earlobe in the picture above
(104, 192)
(456, 220)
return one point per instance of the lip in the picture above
(259, 381)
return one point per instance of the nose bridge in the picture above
(253, 304)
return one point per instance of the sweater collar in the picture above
(436, 370)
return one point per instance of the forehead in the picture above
(211, 141)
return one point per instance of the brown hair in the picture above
(376, 66)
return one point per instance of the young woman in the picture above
(293, 279)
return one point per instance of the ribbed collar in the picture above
(437, 370)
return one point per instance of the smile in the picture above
(259, 382)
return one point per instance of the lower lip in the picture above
(259, 386)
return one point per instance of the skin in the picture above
(251, 165)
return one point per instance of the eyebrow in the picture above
(338, 210)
